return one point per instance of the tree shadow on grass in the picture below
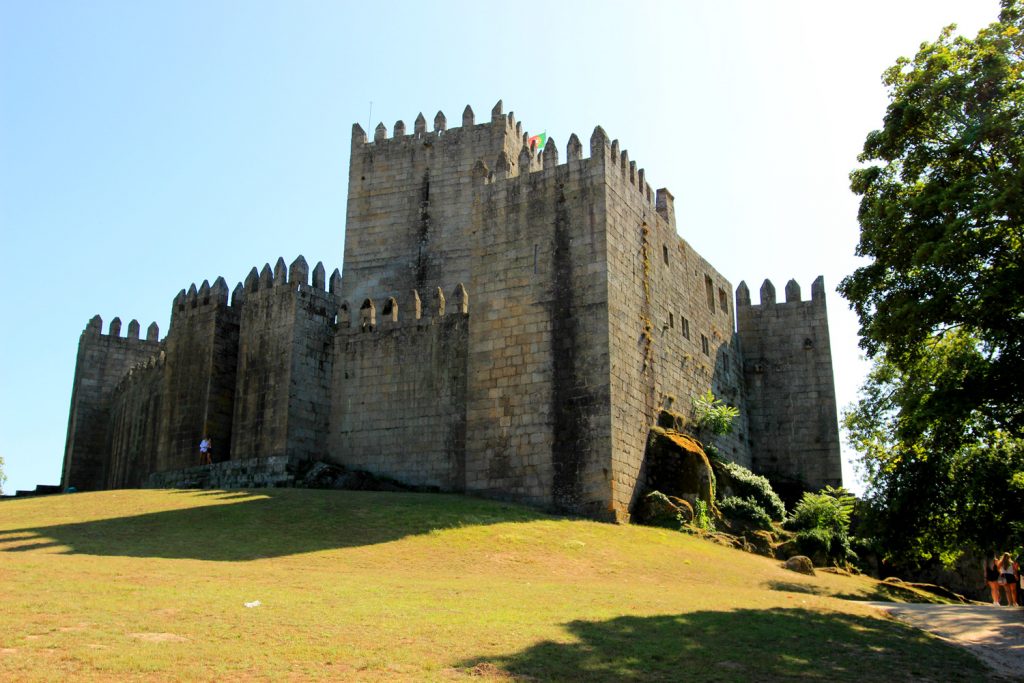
(241, 525)
(741, 645)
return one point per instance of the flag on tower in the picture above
(540, 140)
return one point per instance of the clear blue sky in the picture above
(148, 145)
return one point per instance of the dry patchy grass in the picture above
(374, 586)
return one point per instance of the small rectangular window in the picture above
(725, 362)
(685, 327)
(664, 253)
(709, 289)
(723, 300)
(704, 346)
(671, 321)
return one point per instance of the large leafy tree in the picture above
(941, 301)
(938, 485)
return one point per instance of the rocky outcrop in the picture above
(677, 466)
(801, 564)
(657, 509)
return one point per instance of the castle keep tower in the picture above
(589, 315)
(791, 397)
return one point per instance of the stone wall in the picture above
(199, 376)
(399, 393)
(135, 424)
(670, 320)
(791, 395)
(249, 473)
(410, 200)
(538, 398)
(282, 397)
(103, 360)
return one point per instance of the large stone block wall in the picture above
(282, 397)
(590, 314)
(250, 473)
(410, 202)
(311, 378)
(266, 335)
(670, 340)
(538, 400)
(794, 428)
(399, 394)
(103, 360)
(199, 376)
(135, 424)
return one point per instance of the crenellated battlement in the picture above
(517, 157)
(295, 277)
(95, 328)
(440, 128)
(768, 295)
(203, 297)
(391, 312)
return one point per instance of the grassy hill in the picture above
(379, 586)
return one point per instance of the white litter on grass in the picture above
(254, 603)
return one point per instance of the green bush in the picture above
(713, 414)
(746, 484)
(702, 516)
(828, 509)
(822, 523)
(747, 510)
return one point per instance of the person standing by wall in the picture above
(205, 449)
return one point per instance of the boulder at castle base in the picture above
(677, 466)
(801, 564)
(761, 542)
(657, 509)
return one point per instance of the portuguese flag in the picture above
(540, 139)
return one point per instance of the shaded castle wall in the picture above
(671, 323)
(399, 391)
(103, 359)
(538, 404)
(282, 397)
(199, 376)
(794, 429)
(134, 424)
(410, 201)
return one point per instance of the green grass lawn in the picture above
(123, 585)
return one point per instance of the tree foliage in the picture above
(936, 486)
(942, 212)
(939, 421)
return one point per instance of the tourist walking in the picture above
(992, 576)
(1008, 578)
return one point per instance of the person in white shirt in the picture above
(205, 446)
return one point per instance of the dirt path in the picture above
(994, 634)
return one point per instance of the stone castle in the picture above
(508, 324)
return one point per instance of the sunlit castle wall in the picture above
(670, 320)
(794, 427)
